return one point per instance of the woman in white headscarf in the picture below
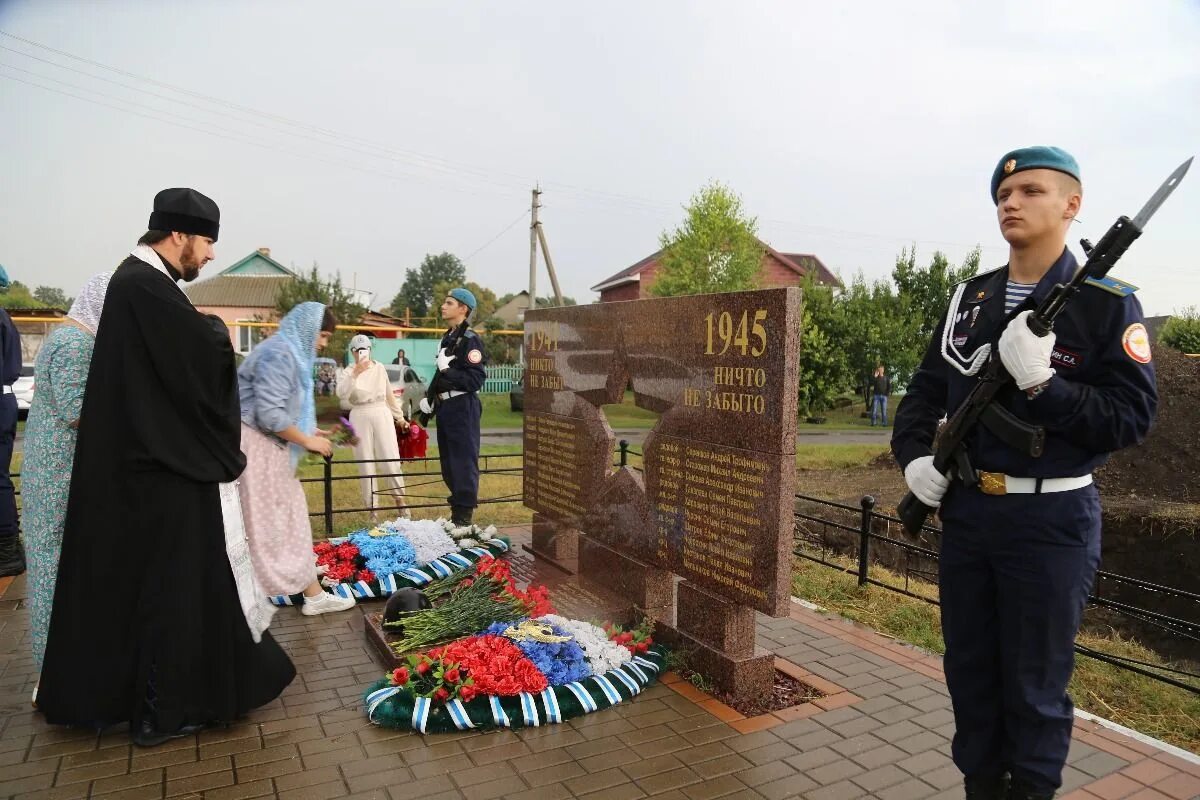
(59, 378)
(374, 412)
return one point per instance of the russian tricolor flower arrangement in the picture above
(489, 655)
(373, 563)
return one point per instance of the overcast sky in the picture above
(364, 135)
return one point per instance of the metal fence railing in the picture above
(917, 565)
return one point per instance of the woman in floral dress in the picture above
(60, 375)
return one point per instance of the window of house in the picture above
(247, 337)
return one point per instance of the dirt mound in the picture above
(1166, 465)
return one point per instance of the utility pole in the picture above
(533, 245)
(537, 237)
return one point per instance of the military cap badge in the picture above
(1009, 166)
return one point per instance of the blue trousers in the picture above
(8, 433)
(1015, 572)
(458, 447)
(879, 404)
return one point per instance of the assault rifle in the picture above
(439, 383)
(950, 455)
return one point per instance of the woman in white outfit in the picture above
(374, 413)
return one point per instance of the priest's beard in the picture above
(189, 263)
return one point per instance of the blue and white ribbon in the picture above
(498, 713)
(642, 677)
(630, 683)
(420, 717)
(458, 713)
(553, 712)
(529, 709)
(440, 568)
(645, 662)
(378, 696)
(584, 696)
(609, 690)
(460, 560)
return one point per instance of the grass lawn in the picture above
(1126, 698)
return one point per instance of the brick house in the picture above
(778, 269)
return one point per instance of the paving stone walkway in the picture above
(883, 731)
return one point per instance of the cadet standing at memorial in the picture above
(1020, 547)
(455, 391)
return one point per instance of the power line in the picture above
(507, 228)
(624, 202)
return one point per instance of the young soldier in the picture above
(1020, 547)
(460, 376)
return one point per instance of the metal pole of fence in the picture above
(624, 452)
(328, 497)
(864, 538)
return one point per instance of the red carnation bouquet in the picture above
(342, 562)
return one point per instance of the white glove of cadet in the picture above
(443, 360)
(925, 481)
(1026, 355)
(425, 406)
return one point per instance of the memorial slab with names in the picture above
(713, 504)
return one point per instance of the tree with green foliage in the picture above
(53, 297)
(417, 294)
(17, 295)
(330, 291)
(1182, 331)
(485, 299)
(824, 371)
(716, 249)
(925, 291)
(872, 329)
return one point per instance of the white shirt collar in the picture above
(147, 254)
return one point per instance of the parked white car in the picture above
(23, 389)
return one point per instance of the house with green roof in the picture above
(241, 293)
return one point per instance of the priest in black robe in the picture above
(148, 625)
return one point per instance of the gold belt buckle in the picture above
(992, 483)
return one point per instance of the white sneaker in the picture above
(325, 603)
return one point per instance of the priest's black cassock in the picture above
(145, 594)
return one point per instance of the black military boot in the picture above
(1023, 791)
(991, 788)
(12, 557)
(461, 516)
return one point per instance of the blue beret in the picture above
(1039, 157)
(464, 296)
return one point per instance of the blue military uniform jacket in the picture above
(466, 373)
(1101, 399)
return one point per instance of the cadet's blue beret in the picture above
(1038, 157)
(464, 296)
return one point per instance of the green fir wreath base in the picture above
(395, 707)
(413, 577)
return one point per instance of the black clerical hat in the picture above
(185, 211)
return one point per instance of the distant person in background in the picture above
(375, 414)
(881, 388)
(400, 359)
(60, 374)
(279, 425)
(12, 554)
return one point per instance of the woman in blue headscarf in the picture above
(279, 424)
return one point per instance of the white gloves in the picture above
(1026, 355)
(925, 481)
(425, 406)
(443, 360)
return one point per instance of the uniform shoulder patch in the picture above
(1112, 285)
(475, 355)
(1136, 343)
(470, 334)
